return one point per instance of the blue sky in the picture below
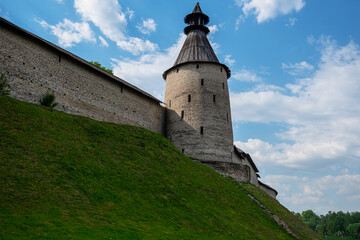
(295, 85)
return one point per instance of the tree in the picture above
(321, 226)
(310, 219)
(102, 67)
(353, 230)
(298, 215)
(340, 222)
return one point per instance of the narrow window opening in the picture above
(59, 58)
(177, 70)
(202, 82)
(121, 89)
(223, 84)
(201, 130)
(214, 98)
(189, 98)
(197, 65)
(220, 69)
(182, 150)
(182, 114)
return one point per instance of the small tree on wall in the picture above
(4, 85)
(102, 67)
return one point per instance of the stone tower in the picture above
(197, 97)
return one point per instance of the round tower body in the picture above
(199, 117)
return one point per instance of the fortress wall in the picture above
(252, 178)
(238, 171)
(269, 190)
(34, 67)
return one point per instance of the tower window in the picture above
(189, 98)
(214, 98)
(197, 66)
(220, 69)
(223, 84)
(182, 114)
(182, 150)
(201, 130)
(202, 82)
(121, 89)
(177, 70)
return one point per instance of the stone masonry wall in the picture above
(34, 68)
(252, 174)
(199, 118)
(272, 192)
(238, 171)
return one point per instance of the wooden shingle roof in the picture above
(196, 48)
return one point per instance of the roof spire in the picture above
(197, 20)
(197, 8)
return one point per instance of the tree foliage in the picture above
(333, 223)
(353, 230)
(102, 67)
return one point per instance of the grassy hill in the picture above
(70, 177)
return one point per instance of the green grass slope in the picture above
(70, 177)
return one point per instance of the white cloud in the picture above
(297, 68)
(107, 15)
(60, 1)
(310, 39)
(213, 29)
(146, 71)
(268, 87)
(245, 75)
(69, 33)
(323, 118)
(130, 13)
(321, 194)
(147, 26)
(269, 9)
(104, 43)
(291, 22)
(229, 61)
(239, 20)
(136, 45)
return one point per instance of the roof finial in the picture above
(197, 20)
(197, 8)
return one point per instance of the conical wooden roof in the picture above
(196, 48)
